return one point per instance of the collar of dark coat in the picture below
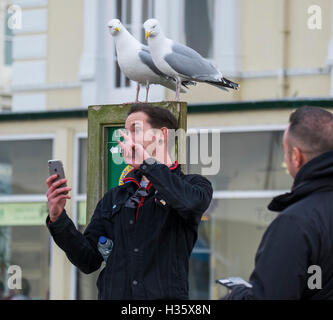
(314, 176)
(133, 178)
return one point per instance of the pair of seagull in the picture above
(163, 61)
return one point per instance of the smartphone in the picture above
(233, 281)
(56, 167)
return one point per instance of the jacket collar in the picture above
(133, 176)
(316, 175)
(176, 168)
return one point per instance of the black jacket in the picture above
(152, 243)
(301, 236)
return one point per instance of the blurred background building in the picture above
(57, 58)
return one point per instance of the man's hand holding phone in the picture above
(56, 196)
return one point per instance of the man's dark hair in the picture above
(158, 117)
(311, 129)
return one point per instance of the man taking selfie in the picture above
(152, 219)
(295, 257)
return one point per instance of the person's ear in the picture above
(297, 157)
(164, 131)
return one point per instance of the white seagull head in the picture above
(152, 28)
(115, 26)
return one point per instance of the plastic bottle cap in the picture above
(102, 240)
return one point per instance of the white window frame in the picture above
(77, 197)
(227, 43)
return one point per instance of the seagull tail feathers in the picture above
(188, 83)
(224, 83)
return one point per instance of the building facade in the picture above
(60, 58)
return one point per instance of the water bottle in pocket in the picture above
(105, 246)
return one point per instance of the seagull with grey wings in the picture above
(181, 62)
(135, 61)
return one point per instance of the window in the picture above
(29, 248)
(83, 145)
(251, 171)
(8, 45)
(199, 275)
(198, 25)
(24, 240)
(124, 13)
(248, 161)
(23, 166)
(148, 10)
(238, 226)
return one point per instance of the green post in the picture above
(102, 171)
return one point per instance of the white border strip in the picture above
(27, 136)
(76, 198)
(235, 129)
(291, 72)
(238, 194)
(81, 197)
(46, 86)
(23, 198)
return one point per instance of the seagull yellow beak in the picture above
(147, 34)
(117, 29)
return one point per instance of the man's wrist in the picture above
(60, 224)
(52, 219)
(148, 162)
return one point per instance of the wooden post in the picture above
(102, 119)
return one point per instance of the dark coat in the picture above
(301, 236)
(152, 243)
